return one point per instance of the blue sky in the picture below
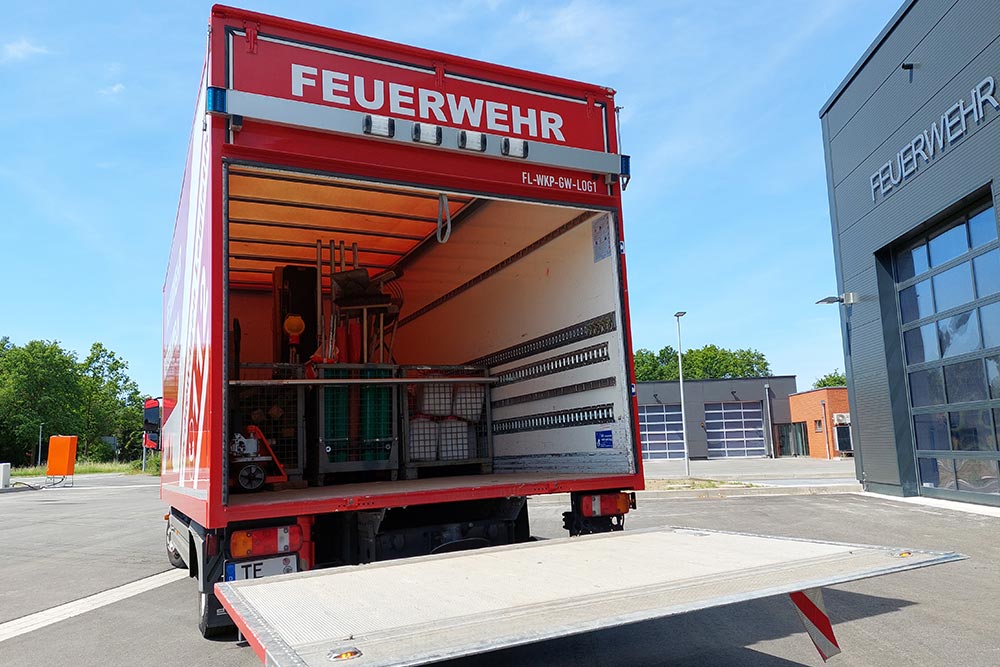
(726, 215)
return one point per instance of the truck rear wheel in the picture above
(174, 556)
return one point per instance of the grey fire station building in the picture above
(912, 139)
(726, 418)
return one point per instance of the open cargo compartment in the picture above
(483, 337)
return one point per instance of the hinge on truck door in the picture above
(251, 30)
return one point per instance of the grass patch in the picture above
(693, 483)
(91, 467)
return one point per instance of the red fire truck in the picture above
(395, 306)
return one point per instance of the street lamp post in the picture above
(680, 376)
(40, 444)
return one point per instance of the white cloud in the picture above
(20, 50)
(113, 90)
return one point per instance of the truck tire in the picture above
(174, 556)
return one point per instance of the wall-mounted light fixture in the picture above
(847, 298)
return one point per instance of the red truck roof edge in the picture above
(382, 45)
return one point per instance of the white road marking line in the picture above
(41, 619)
(79, 488)
(103, 488)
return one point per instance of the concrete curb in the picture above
(13, 489)
(759, 477)
(752, 491)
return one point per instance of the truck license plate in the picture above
(255, 569)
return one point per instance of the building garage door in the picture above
(734, 429)
(949, 305)
(660, 431)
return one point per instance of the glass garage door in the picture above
(660, 431)
(948, 284)
(734, 429)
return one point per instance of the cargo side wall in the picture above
(191, 384)
(549, 325)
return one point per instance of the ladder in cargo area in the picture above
(424, 610)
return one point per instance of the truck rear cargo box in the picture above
(397, 278)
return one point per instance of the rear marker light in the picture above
(606, 504)
(265, 541)
(472, 141)
(426, 133)
(514, 147)
(215, 100)
(379, 126)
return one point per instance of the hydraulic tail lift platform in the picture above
(439, 607)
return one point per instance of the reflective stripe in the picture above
(809, 605)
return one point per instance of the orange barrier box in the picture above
(62, 455)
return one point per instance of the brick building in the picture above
(823, 415)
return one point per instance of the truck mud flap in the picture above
(424, 610)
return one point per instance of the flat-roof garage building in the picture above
(912, 140)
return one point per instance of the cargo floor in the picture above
(377, 494)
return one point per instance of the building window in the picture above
(661, 432)
(819, 425)
(734, 429)
(948, 287)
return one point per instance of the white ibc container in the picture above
(424, 435)
(453, 440)
(468, 401)
(435, 400)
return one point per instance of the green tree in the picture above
(39, 383)
(703, 363)
(834, 379)
(656, 366)
(112, 405)
(713, 362)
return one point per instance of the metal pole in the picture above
(826, 431)
(320, 329)
(680, 375)
(144, 456)
(40, 444)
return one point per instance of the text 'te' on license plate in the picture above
(255, 569)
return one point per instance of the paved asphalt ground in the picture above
(61, 545)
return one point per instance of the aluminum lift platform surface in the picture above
(423, 610)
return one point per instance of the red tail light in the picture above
(265, 541)
(607, 504)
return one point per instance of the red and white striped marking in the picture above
(809, 605)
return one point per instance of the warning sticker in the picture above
(604, 440)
